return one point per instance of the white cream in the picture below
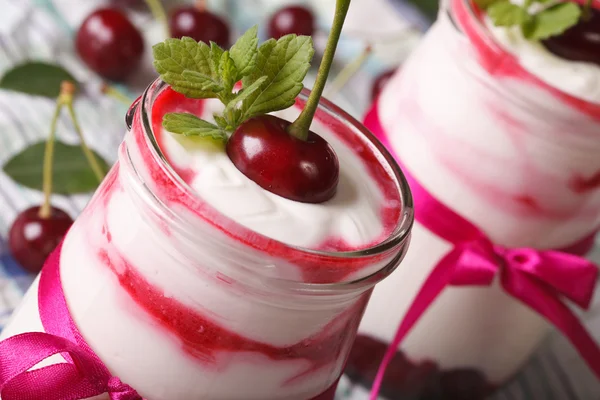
(352, 215)
(579, 79)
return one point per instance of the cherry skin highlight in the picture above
(31, 238)
(305, 171)
(200, 25)
(580, 42)
(109, 44)
(294, 19)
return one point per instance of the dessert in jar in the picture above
(210, 265)
(501, 131)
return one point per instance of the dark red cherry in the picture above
(32, 238)
(109, 44)
(380, 83)
(465, 384)
(200, 25)
(294, 19)
(305, 171)
(581, 42)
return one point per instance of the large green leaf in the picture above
(36, 78)
(71, 171)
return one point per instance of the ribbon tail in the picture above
(545, 303)
(440, 277)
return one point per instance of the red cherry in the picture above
(200, 25)
(32, 238)
(109, 44)
(580, 42)
(465, 384)
(263, 150)
(380, 82)
(295, 19)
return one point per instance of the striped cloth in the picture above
(42, 30)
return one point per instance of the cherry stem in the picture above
(116, 94)
(587, 9)
(158, 11)
(300, 127)
(67, 99)
(201, 5)
(348, 72)
(46, 208)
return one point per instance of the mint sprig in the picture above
(551, 19)
(190, 125)
(271, 76)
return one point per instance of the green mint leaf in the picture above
(228, 73)
(552, 21)
(178, 59)
(190, 125)
(223, 124)
(36, 78)
(285, 63)
(245, 93)
(233, 116)
(197, 85)
(484, 4)
(216, 53)
(245, 51)
(71, 171)
(505, 13)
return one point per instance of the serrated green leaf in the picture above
(244, 52)
(233, 116)
(505, 13)
(552, 21)
(246, 93)
(216, 52)
(190, 125)
(36, 78)
(174, 57)
(196, 85)
(484, 4)
(228, 72)
(71, 171)
(222, 123)
(285, 63)
(262, 57)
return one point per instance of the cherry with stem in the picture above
(293, 161)
(37, 231)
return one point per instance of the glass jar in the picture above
(181, 302)
(501, 145)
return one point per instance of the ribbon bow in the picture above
(538, 278)
(84, 375)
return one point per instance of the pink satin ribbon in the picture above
(84, 375)
(539, 279)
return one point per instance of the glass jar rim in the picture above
(398, 238)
